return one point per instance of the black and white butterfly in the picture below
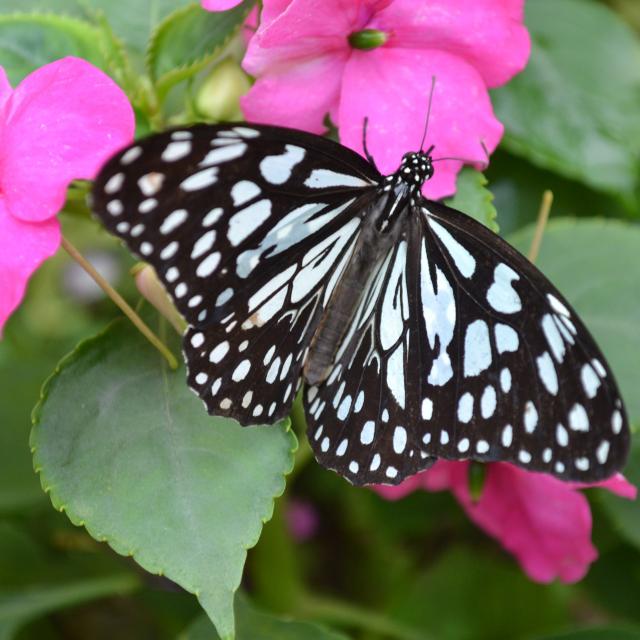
(417, 333)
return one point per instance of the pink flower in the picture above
(302, 519)
(544, 522)
(59, 124)
(305, 55)
(219, 5)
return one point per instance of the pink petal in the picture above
(23, 248)
(271, 9)
(391, 87)
(292, 32)
(62, 122)
(544, 522)
(617, 484)
(300, 34)
(299, 97)
(219, 5)
(488, 34)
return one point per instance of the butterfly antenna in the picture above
(426, 124)
(367, 155)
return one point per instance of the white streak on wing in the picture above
(200, 180)
(557, 306)
(590, 381)
(246, 132)
(270, 287)
(395, 375)
(223, 154)
(551, 333)
(395, 310)
(317, 261)
(271, 307)
(173, 220)
(203, 244)
(439, 317)
(278, 169)
(243, 223)
(325, 178)
(295, 227)
(212, 217)
(463, 260)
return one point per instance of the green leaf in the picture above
(189, 39)
(126, 449)
(596, 633)
(574, 108)
(28, 41)
(468, 595)
(518, 187)
(132, 22)
(474, 199)
(18, 608)
(255, 625)
(595, 264)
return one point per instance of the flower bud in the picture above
(219, 96)
(153, 290)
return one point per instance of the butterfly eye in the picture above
(434, 339)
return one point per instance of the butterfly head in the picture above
(416, 168)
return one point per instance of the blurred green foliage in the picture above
(371, 570)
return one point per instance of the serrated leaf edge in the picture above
(117, 545)
(164, 82)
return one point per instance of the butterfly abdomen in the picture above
(371, 248)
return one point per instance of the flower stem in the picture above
(543, 216)
(121, 303)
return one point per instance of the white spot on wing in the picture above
(578, 418)
(506, 338)
(547, 373)
(477, 348)
(244, 191)
(501, 294)
(278, 169)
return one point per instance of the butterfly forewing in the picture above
(248, 230)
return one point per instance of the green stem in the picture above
(121, 303)
(333, 611)
(543, 216)
(299, 426)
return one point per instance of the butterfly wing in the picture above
(462, 349)
(248, 228)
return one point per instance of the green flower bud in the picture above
(367, 39)
(219, 96)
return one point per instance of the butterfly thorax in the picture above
(404, 186)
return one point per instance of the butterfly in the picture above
(415, 331)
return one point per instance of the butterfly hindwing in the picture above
(248, 229)
(468, 352)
